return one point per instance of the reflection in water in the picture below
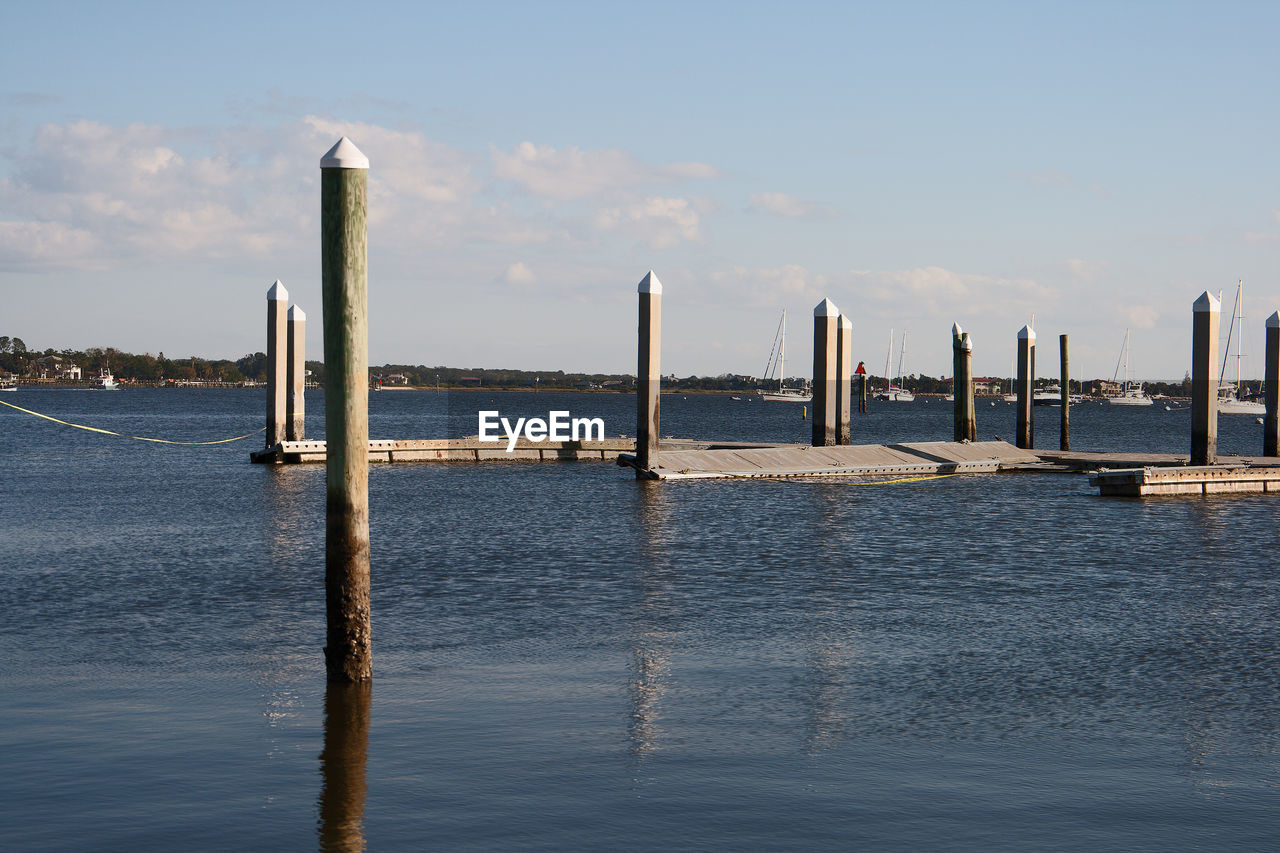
(651, 661)
(342, 766)
(826, 723)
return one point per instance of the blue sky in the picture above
(1096, 165)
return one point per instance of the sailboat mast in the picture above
(901, 356)
(1240, 346)
(888, 360)
(782, 352)
(1222, 374)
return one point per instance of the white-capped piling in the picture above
(277, 367)
(844, 382)
(1064, 434)
(966, 427)
(826, 333)
(648, 370)
(344, 173)
(1271, 390)
(1024, 436)
(295, 413)
(1205, 316)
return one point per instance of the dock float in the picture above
(799, 460)
(472, 449)
(1188, 480)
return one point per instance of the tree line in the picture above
(17, 359)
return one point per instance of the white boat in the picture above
(1047, 396)
(1230, 399)
(105, 380)
(895, 393)
(1131, 393)
(781, 394)
(8, 385)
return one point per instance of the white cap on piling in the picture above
(1274, 321)
(344, 155)
(296, 314)
(826, 308)
(1206, 302)
(277, 293)
(650, 284)
(956, 331)
(845, 322)
(966, 342)
(1026, 333)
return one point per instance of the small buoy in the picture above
(804, 413)
(1167, 409)
(1259, 420)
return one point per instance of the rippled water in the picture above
(566, 658)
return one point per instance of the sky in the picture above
(1082, 167)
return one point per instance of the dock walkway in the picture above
(800, 460)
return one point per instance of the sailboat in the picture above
(895, 393)
(1131, 393)
(1229, 398)
(782, 394)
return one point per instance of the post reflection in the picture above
(342, 766)
(649, 655)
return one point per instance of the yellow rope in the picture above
(137, 437)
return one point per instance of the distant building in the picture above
(469, 381)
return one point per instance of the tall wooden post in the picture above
(1064, 436)
(1271, 392)
(295, 413)
(826, 331)
(648, 371)
(1205, 315)
(1025, 433)
(862, 393)
(963, 415)
(277, 333)
(344, 174)
(844, 381)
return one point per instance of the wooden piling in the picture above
(648, 371)
(844, 381)
(344, 175)
(1024, 437)
(1271, 391)
(962, 407)
(277, 333)
(826, 331)
(295, 409)
(1206, 313)
(1064, 435)
(862, 393)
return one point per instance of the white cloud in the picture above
(772, 286)
(571, 173)
(660, 222)
(781, 204)
(1265, 238)
(519, 273)
(1139, 316)
(935, 290)
(1087, 270)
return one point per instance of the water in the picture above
(568, 659)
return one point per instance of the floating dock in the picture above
(1188, 480)
(800, 460)
(1115, 474)
(472, 449)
